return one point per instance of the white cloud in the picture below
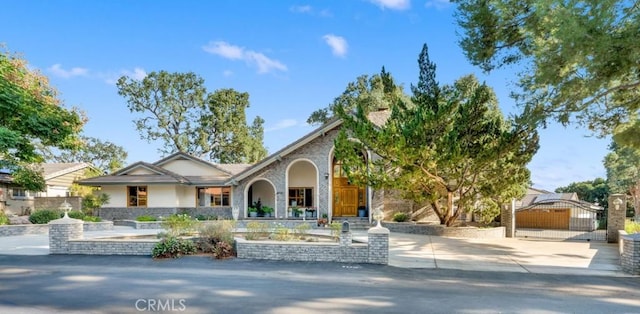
(283, 124)
(227, 73)
(57, 70)
(137, 74)
(338, 44)
(393, 4)
(301, 9)
(256, 59)
(438, 4)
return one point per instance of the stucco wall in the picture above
(117, 195)
(191, 168)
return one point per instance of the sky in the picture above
(292, 57)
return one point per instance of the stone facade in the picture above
(630, 253)
(131, 213)
(507, 220)
(440, 230)
(616, 216)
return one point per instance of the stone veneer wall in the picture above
(439, 230)
(131, 213)
(374, 252)
(17, 230)
(111, 247)
(630, 252)
(61, 231)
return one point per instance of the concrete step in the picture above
(355, 223)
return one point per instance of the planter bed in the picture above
(443, 231)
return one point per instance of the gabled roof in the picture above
(52, 170)
(122, 176)
(181, 155)
(321, 131)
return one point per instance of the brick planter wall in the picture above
(440, 230)
(630, 253)
(131, 213)
(112, 247)
(17, 230)
(61, 231)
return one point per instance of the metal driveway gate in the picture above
(561, 219)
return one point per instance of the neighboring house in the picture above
(303, 175)
(541, 209)
(58, 179)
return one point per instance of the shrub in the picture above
(256, 230)
(281, 233)
(336, 228)
(75, 214)
(302, 229)
(44, 216)
(213, 233)
(145, 218)
(631, 227)
(4, 220)
(204, 217)
(223, 250)
(400, 217)
(173, 247)
(179, 224)
(92, 219)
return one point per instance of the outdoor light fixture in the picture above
(326, 175)
(378, 215)
(617, 202)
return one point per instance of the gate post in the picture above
(508, 219)
(616, 215)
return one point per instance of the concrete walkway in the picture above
(421, 251)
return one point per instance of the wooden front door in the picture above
(345, 198)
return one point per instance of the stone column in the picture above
(345, 238)
(379, 245)
(616, 215)
(508, 220)
(61, 231)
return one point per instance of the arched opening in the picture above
(302, 189)
(261, 195)
(348, 200)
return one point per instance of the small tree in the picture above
(448, 147)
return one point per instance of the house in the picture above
(541, 209)
(303, 176)
(59, 177)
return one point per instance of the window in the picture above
(214, 196)
(302, 197)
(137, 196)
(19, 193)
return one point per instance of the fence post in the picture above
(616, 215)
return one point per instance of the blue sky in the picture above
(292, 57)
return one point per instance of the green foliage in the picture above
(631, 227)
(179, 224)
(206, 217)
(256, 230)
(400, 217)
(336, 229)
(43, 216)
(223, 250)
(449, 141)
(301, 230)
(92, 219)
(176, 109)
(91, 201)
(580, 57)
(104, 155)
(146, 218)
(4, 220)
(75, 214)
(267, 209)
(623, 172)
(252, 210)
(173, 247)
(487, 209)
(36, 117)
(373, 93)
(595, 191)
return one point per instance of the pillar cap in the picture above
(378, 230)
(66, 220)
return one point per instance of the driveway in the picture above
(421, 251)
